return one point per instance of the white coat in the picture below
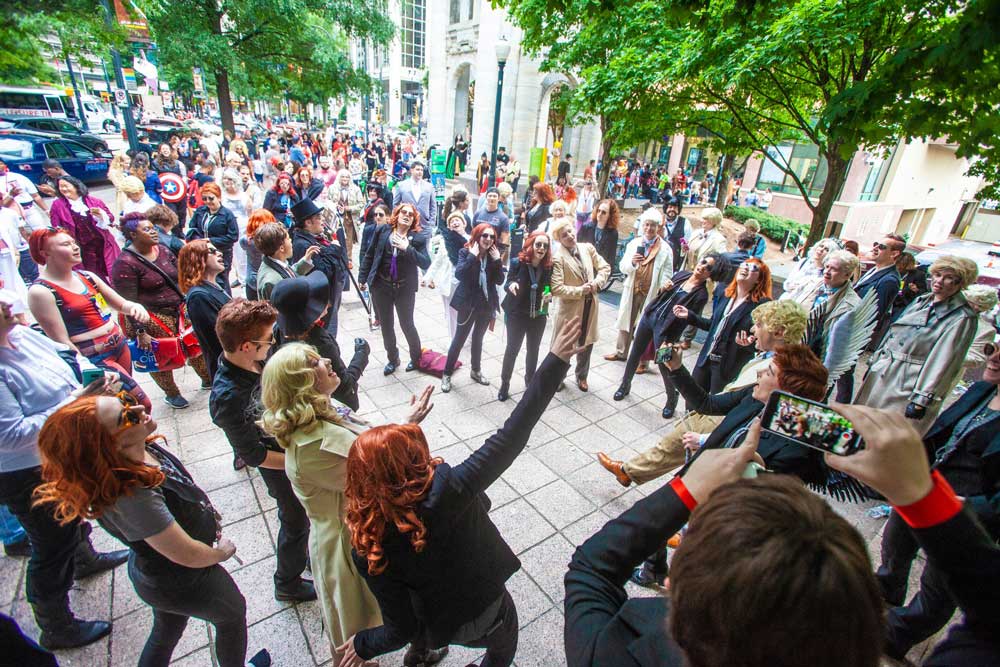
(663, 268)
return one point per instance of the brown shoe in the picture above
(614, 356)
(616, 468)
(582, 384)
(641, 369)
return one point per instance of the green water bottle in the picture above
(546, 297)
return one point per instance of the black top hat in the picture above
(304, 209)
(300, 302)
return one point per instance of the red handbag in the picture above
(165, 354)
(185, 330)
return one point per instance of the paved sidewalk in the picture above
(553, 497)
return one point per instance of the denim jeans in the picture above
(11, 531)
(50, 568)
(27, 268)
(209, 594)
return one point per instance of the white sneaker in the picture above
(445, 383)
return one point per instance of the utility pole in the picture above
(116, 60)
(107, 84)
(76, 94)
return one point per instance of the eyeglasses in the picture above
(488, 236)
(128, 417)
(540, 244)
(269, 343)
(750, 266)
(380, 215)
(214, 251)
(989, 349)
(880, 246)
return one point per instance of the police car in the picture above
(23, 152)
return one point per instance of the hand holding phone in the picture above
(810, 423)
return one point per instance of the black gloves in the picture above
(914, 411)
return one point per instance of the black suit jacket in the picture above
(723, 341)
(415, 256)
(607, 248)
(519, 273)
(329, 260)
(986, 505)
(465, 563)
(603, 626)
(660, 315)
(886, 285)
(739, 407)
(468, 293)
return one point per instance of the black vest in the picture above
(674, 239)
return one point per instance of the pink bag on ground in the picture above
(433, 363)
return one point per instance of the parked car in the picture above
(57, 126)
(24, 151)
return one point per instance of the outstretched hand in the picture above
(564, 344)
(420, 407)
(744, 339)
(893, 461)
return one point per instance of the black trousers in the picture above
(519, 328)
(640, 341)
(475, 322)
(386, 297)
(209, 594)
(50, 568)
(708, 376)
(293, 528)
(499, 639)
(845, 387)
(929, 610)
(181, 209)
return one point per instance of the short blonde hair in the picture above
(560, 226)
(559, 203)
(965, 269)
(848, 260)
(752, 225)
(712, 215)
(132, 185)
(981, 297)
(505, 190)
(786, 316)
(289, 395)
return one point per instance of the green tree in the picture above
(268, 47)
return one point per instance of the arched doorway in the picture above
(465, 93)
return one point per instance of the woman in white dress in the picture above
(236, 200)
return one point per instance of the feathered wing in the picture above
(849, 336)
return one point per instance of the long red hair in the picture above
(83, 469)
(291, 184)
(527, 253)
(763, 287)
(544, 193)
(389, 471)
(478, 231)
(191, 262)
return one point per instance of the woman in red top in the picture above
(75, 307)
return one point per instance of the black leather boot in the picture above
(87, 562)
(60, 629)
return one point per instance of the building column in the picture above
(393, 115)
(437, 97)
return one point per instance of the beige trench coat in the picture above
(918, 362)
(568, 278)
(316, 464)
(663, 268)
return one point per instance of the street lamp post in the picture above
(503, 50)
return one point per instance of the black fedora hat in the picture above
(300, 302)
(304, 209)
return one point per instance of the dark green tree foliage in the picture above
(268, 48)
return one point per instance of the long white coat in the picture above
(663, 268)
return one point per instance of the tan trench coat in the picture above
(663, 268)
(918, 362)
(316, 464)
(568, 278)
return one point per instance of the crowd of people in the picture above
(398, 547)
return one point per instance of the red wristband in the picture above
(936, 507)
(677, 484)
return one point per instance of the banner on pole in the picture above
(537, 163)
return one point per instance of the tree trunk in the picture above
(225, 103)
(836, 176)
(605, 156)
(722, 180)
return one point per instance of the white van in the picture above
(99, 118)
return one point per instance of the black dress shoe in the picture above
(361, 344)
(411, 366)
(645, 577)
(390, 368)
(622, 392)
(301, 591)
(100, 563)
(74, 634)
(239, 463)
(20, 549)
(424, 658)
(504, 392)
(668, 411)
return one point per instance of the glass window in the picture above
(455, 13)
(56, 151)
(803, 160)
(16, 149)
(878, 169)
(79, 150)
(412, 33)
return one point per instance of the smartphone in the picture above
(664, 354)
(811, 424)
(91, 374)
(641, 249)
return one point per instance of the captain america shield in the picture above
(174, 189)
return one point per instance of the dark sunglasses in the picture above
(208, 198)
(487, 236)
(214, 251)
(880, 246)
(540, 244)
(750, 266)
(128, 416)
(990, 349)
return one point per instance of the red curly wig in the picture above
(478, 231)
(389, 471)
(527, 253)
(394, 218)
(762, 289)
(258, 219)
(83, 469)
(191, 262)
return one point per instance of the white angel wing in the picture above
(849, 336)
